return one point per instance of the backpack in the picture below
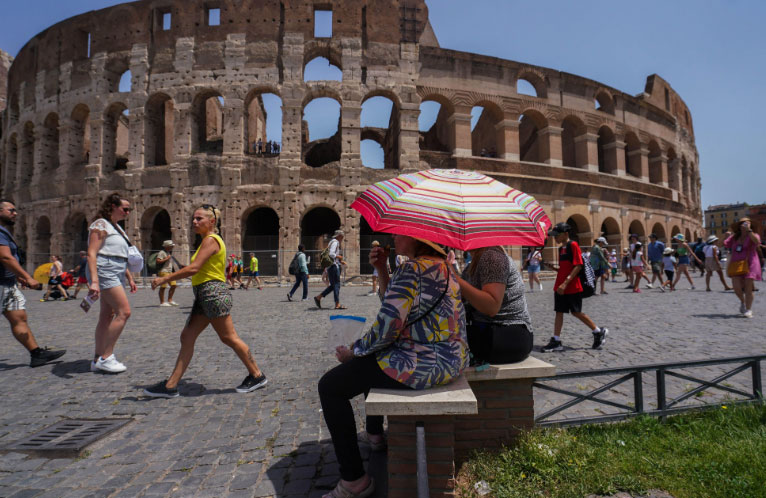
(151, 263)
(294, 267)
(325, 260)
(586, 275)
(699, 251)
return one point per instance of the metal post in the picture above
(757, 385)
(638, 392)
(661, 389)
(422, 463)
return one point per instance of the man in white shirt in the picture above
(333, 271)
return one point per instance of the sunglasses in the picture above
(126, 209)
(210, 208)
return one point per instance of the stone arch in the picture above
(633, 155)
(156, 227)
(207, 122)
(581, 231)
(260, 236)
(27, 162)
(115, 70)
(257, 118)
(636, 227)
(673, 169)
(49, 144)
(13, 110)
(655, 163)
(607, 151)
(12, 159)
(685, 182)
(486, 137)
(675, 231)
(159, 130)
(610, 230)
(439, 135)
(536, 80)
(533, 147)
(326, 149)
(574, 151)
(75, 235)
(79, 136)
(375, 103)
(366, 236)
(316, 56)
(318, 223)
(41, 248)
(115, 137)
(604, 102)
(688, 235)
(659, 230)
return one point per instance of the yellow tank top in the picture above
(213, 269)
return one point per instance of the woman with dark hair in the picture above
(301, 276)
(637, 264)
(212, 306)
(744, 263)
(107, 272)
(533, 264)
(499, 327)
(685, 254)
(417, 341)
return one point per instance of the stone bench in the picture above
(482, 409)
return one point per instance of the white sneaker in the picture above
(165, 305)
(110, 365)
(742, 308)
(173, 303)
(541, 286)
(748, 314)
(649, 286)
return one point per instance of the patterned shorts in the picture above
(11, 298)
(212, 299)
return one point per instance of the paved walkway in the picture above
(273, 442)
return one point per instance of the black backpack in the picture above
(294, 267)
(586, 274)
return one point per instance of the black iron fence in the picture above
(656, 377)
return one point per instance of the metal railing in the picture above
(662, 372)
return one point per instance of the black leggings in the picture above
(336, 388)
(499, 344)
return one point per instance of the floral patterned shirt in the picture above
(431, 351)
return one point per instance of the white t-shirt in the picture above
(114, 244)
(637, 261)
(708, 250)
(667, 262)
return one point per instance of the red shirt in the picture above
(568, 259)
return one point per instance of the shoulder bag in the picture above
(135, 259)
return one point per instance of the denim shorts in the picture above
(111, 271)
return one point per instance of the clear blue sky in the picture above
(712, 52)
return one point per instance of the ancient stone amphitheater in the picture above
(184, 132)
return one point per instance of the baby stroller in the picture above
(67, 280)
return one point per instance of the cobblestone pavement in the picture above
(214, 442)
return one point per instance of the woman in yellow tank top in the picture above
(212, 305)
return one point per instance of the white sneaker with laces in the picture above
(165, 305)
(173, 303)
(748, 314)
(649, 286)
(110, 364)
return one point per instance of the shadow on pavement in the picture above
(7, 366)
(312, 470)
(718, 315)
(65, 369)
(185, 389)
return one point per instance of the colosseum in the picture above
(185, 129)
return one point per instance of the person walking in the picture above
(533, 264)
(600, 262)
(613, 264)
(333, 271)
(12, 301)
(625, 266)
(637, 264)
(669, 264)
(654, 253)
(230, 269)
(212, 306)
(254, 272)
(54, 280)
(239, 270)
(107, 273)
(713, 262)
(166, 265)
(302, 276)
(568, 290)
(79, 271)
(744, 263)
(684, 254)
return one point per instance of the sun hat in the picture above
(638, 244)
(433, 245)
(735, 226)
(559, 228)
(614, 251)
(667, 251)
(601, 240)
(679, 237)
(168, 243)
(337, 233)
(711, 239)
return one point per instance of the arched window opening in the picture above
(159, 124)
(574, 150)
(486, 138)
(684, 177)
(633, 155)
(531, 146)
(380, 119)
(13, 111)
(366, 237)
(674, 165)
(155, 228)
(260, 231)
(27, 163)
(42, 243)
(675, 231)
(687, 235)
(659, 231)
(207, 123)
(76, 238)
(525, 87)
(12, 160)
(604, 103)
(321, 69)
(610, 230)
(581, 231)
(49, 146)
(607, 152)
(79, 142)
(264, 124)
(317, 228)
(126, 82)
(321, 141)
(637, 228)
(115, 147)
(436, 133)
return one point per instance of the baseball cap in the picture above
(559, 228)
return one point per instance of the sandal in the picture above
(341, 491)
(318, 302)
(341, 307)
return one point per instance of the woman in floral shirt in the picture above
(418, 340)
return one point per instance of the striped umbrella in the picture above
(460, 209)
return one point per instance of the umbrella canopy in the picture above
(460, 209)
(41, 273)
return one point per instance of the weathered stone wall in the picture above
(69, 136)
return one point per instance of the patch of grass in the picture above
(85, 454)
(106, 456)
(275, 411)
(715, 453)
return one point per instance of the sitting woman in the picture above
(417, 341)
(499, 327)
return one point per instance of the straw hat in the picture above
(668, 251)
(168, 243)
(433, 245)
(712, 239)
(735, 226)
